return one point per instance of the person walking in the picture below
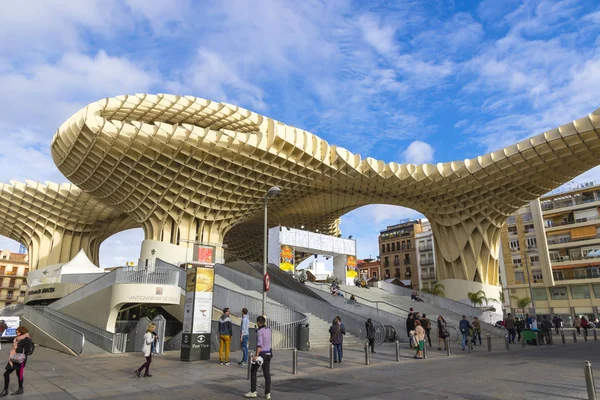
(410, 323)
(336, 337)
(442, 328)
(426, 324)
(420, 337)
(476, 330)
(577, 325)
(510, 325)
(21, 348)
(557, 322)
(147, 342)
(370, 334)
(520, 324)
(464, 325)
(244, 336)
(262, 357)
(225, 333)
(585, 325)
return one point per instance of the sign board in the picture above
(197, 313)
(267, 282)
(204, 254)
(286, 258)
(351, 269)
(12, 323)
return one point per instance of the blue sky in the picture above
(413, 81)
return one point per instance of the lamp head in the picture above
(273, 191)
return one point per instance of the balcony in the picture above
(407, 261)
(396, 262)
(563, 240)
(576, 273)
(572, 259)
(570, 202)
(429, 261)
(427, 276)
(425, 248)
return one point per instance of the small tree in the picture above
(333, 279)
(522, 302)
(438, 289)
(477, 298)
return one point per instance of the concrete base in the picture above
(43, 339)
(457, 290)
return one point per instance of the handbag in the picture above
(18, 358)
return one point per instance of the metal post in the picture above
(367, 355)
(539, 338)
(331, 356)
(265, 238)
(562, 337)
(425, 350)
(295, 362)
(506, 342)
(529, 282)
(448, 352)
(595, 336)
(250, 355)
(589, 380)
(574, 337)
(469, 346)
(585, 335)
(523, 342)
(489, 342)
(397, 350)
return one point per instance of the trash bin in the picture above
(303, 338)
(390, 333)
(530, 337)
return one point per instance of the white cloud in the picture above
(378, 34)
(418, 152)
(121, 248)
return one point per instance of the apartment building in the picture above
(398, 257)
(554, 244)
(14, 268)
(369, 269)
(425, 256)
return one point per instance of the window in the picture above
(387, 273)
(539, 294)
(383, 248)
(537, 276)
(514, 245)
(558, 275)
(517, 261)
(374, 274)
(534, 258)
(393, 246)
(397, 272)
(387, 247)
(386, 262)
(596, 291)
(529, 228)
(396, 260)
(527, 217)
(407, 259)
(531, 242)
(580, 292)
(408, 244)
(519, 277)
(555, 256)
(403, 245)
(558, 293)
(9, 295)
(512, 230)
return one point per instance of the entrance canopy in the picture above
(285, 242)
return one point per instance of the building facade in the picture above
(397, 251)
(14, 268)
(369, 269)
(425, 256)
(554, 244)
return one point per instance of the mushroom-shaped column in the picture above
(56, 221)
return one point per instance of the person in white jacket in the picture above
(149, 338)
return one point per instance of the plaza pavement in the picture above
(544, 372)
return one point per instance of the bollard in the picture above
(539, 339)
(425, 351)
(589, 380)
(250, 355)
(574, 337)
(523, 343)
(367, 355)
(397, 350)
(469, 346)
(295, 362)
(448, 352)
(506, 343)
(331, 356)
(489, 342)
(562, 337)
(595, 336)
(585, 335)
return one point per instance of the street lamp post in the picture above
(271, 192)
(529, 281)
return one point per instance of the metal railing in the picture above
(354, 323)
(569, 239)
(159, 275)
(14, 310)
(447, 304)
(72, 338)
(107, 341)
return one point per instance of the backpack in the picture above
(31, 349)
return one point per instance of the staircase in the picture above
(319, 328)
(404, 303)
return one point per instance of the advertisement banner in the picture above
(204, 254)
(351, 268)
(12, 324)
(286, 258)
(197, 315)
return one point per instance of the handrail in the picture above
(354, 323)
(71, 338)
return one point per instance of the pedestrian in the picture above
(225, 333)
(147, 342)
(410, 323)
(336, 337)
(557, 322)
(420, 338)
(585, 324)
(244, 336)
(262, 357)
(3, 328)
(529, 322)
(370, 334)
(442, 328)
(577, 325)
(21, 349)
(511, 328)
(426, 324)
(520, 324)
(546, 328)
(476, 330)
(464, 326)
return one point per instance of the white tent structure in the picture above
(80, 266)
